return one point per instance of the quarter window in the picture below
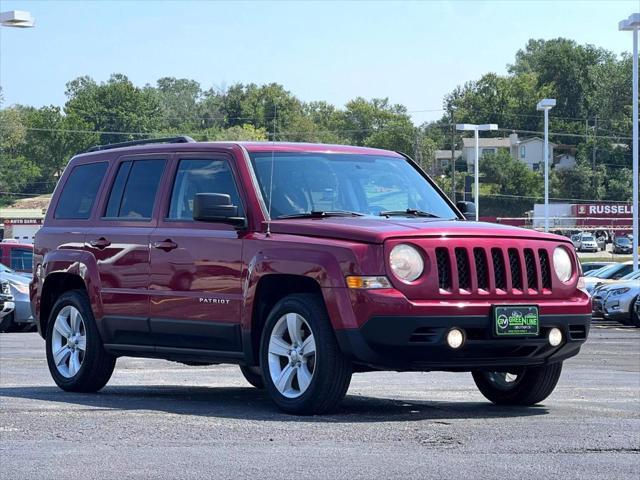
(201, 176)
(134, 189)
(79, 192)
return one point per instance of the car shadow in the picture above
(253, 404)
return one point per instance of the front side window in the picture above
(79, 192)
(134, 189)
(365, 184)
(201, 176)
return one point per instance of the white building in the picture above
(529, 151)
(486, 145)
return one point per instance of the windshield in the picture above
(611, 270)
(332, 182)
(632, 276)
(588, 238)
(623, 241)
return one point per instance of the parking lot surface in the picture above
(158, 419)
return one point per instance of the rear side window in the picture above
(79, 192)
(20, 259)
(201, 176)
(134, 189)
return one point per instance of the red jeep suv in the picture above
(302, 264)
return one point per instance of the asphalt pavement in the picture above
(158, 419)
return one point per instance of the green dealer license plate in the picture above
(515, 320)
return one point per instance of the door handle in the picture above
(100, 243)
(166, 245)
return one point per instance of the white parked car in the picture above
(615, 301)
(588, 243)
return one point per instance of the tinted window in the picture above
(80, 190)
(200, 176)
(134, 190)
(21, 259)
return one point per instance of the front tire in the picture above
(634, 314)
(6, 323)
(253, 375)
(523, 386)
(75, 354)
(302, 365)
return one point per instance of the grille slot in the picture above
(464, 274)
(545, 269)
(444, 269)
(516, 269)
(530, 264)
(482, 269)
(498, 268)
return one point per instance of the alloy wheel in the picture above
(69, 341)
(292, 355)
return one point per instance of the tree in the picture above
(117, 109)
(509, 176)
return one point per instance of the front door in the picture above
(120, 243)
(196, 267)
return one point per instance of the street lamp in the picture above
(476, 129)
(17, 19)
(633, 24)
(545, 105)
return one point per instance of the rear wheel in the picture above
(519, 386)
(253, 375)
(302, 365)
(75, 355)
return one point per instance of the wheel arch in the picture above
(60, 272)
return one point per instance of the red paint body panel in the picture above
(5, 255)
(211, 276)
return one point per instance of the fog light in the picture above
(555, 337)
(455, 338)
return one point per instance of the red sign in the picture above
(23, 221)
(602, 210)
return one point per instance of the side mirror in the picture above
(468, 209)
(216, 207)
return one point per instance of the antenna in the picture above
(273, 155)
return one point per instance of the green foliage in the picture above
(36, 143)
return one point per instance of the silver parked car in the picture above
(606, 275)
(18, 285)
(6, 303)
(616, 301)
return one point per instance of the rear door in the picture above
(120, 243)
(196, 267)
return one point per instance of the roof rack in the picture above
(180, 139)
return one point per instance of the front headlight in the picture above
(406, 262)
(619, 291)
(562, 264)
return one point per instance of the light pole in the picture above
(545, 105)
(17, 19)
(633, 24)
(476, 129)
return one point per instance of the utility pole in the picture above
(593, 152)
(453, 160)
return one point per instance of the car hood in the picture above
(619, 284)
(377, 230)
(14, 278)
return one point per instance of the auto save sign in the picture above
(603, 210)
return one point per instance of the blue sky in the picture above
(412, 52)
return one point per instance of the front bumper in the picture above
(418, 343)
(6, 308)
(619, 306)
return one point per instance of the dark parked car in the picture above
(622, 245)
(301, 263)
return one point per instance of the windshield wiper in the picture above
(323, 214)
(408, 211)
